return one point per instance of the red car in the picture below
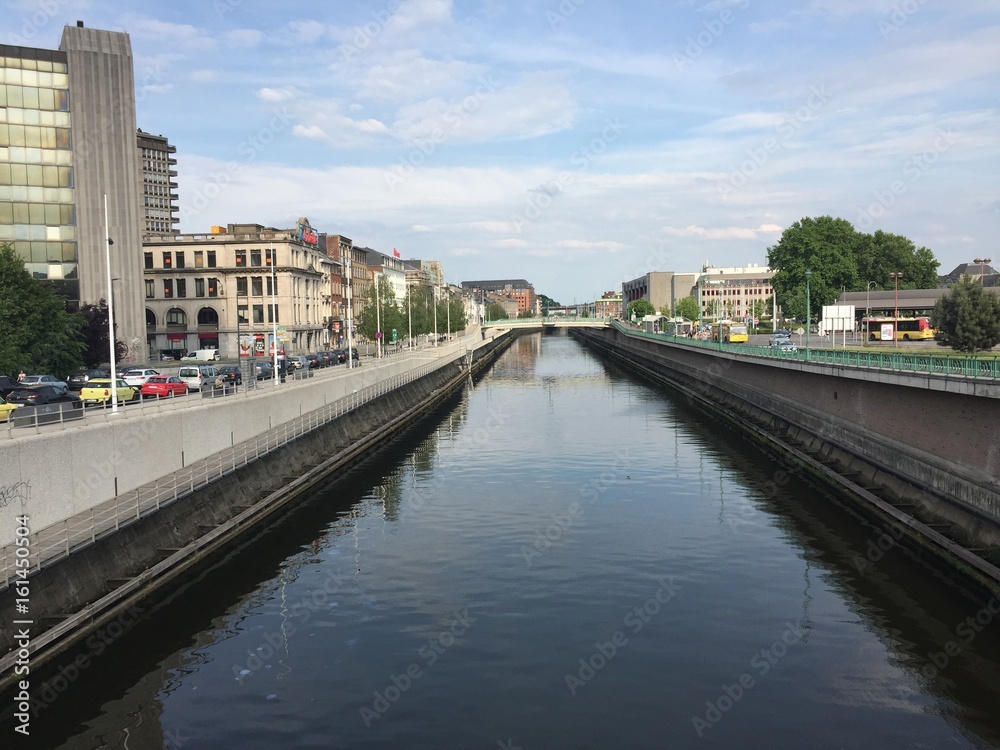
(164, 386)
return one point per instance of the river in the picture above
(563, 557)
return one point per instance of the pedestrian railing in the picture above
(55, 542)
(950, 365)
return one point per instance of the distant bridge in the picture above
(552, 322)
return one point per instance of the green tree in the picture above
(640, 307)
(39, 335)
(526, 314)
(827, 247)
(686, 307)
(495, 312)
(967, 317)
(383, 317)
(882, 253)
(95, 335)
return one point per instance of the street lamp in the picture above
(808, 312)
(982, 268)
(896, 276)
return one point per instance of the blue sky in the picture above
(576, 143)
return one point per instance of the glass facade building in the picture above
(37, 197)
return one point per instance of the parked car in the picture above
(232, 374)
(171, 355)
(202, 355)
(6, 409)
(80, 378)
(98, 391)
(264, 370)
(313, 360)
(326, 359)
(37, 395)
(198, 376)
(299, 363)
(42, 380)
(163, 386)
(138, 377)
(7, 385)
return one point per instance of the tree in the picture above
(687, 307)
(95, 335)
(495, 312)
(385, 316)
(526, 314)
(640, 308)
(827, 247)
(39, 335)
(883, 253)
(967, 317)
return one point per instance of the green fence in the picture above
(952, 365)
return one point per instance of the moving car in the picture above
(80, 378)
(138, 377)
(37, 395)
(784, 345)
(7, 385)
(198, 376)
(42, 380)
(163, 386)
(98, 391)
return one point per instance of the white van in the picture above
(202, 355)
(198, 376)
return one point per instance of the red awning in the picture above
(176, 336)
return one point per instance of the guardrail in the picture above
(950, 365)
(52, 543)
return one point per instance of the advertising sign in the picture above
(308, 235)
(886, 333)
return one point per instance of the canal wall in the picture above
(938, 447)
(96, 584)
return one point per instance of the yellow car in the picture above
(6, 409)
(98, 391)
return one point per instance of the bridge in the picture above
(550, 322)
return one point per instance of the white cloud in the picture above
(243, 38)
(311, 131)
(275, 95)
(204, 76)
(307, 32)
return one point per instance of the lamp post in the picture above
(111, 311)
(982, 269)
(896, 276)
(350, 314)
(409, 317)
(378, 320)
(274, 317)
(808, 312)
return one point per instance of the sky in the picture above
(573, 143)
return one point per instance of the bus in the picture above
(728, 332)
(906, 329)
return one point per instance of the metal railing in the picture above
(950, 365)
(55, 542)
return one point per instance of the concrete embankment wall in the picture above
(91, 583)
(938, 438)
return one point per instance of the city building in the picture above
(518, 290)
(337, 248)
(731, 292)
(68, 154)
(609, 305)
(231, 288)
(158, 200)
(662, 288)
(391, 268)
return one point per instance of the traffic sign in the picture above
(378, 334)
(394, 335)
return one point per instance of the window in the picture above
(213, 287)
(182, 287)
(179, 257)
(167, 262)
(270, 255)
(199, 258)
(208, 317)
(211, 258)
(176, 317)
(271, 289)
(150, 289)
(150, 317)
(241, 286)
(241, 311)
(255, 258)
(258, 313)
(257, 284)
(199, 287)
(168, 288)
(147, 259)
(272, 314)
(241, 258)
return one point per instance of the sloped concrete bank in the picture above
(857, 444)
(106, 581)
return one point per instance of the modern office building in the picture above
(158, 200)
(732, 292)
(662, 288)
(66, 143)
(231, 288)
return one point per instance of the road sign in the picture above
(800, 331)
(394, 335)
(378, 334)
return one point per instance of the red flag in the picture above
(395, 253)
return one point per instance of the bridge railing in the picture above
(947, 364)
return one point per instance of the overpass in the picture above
(516, 324)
